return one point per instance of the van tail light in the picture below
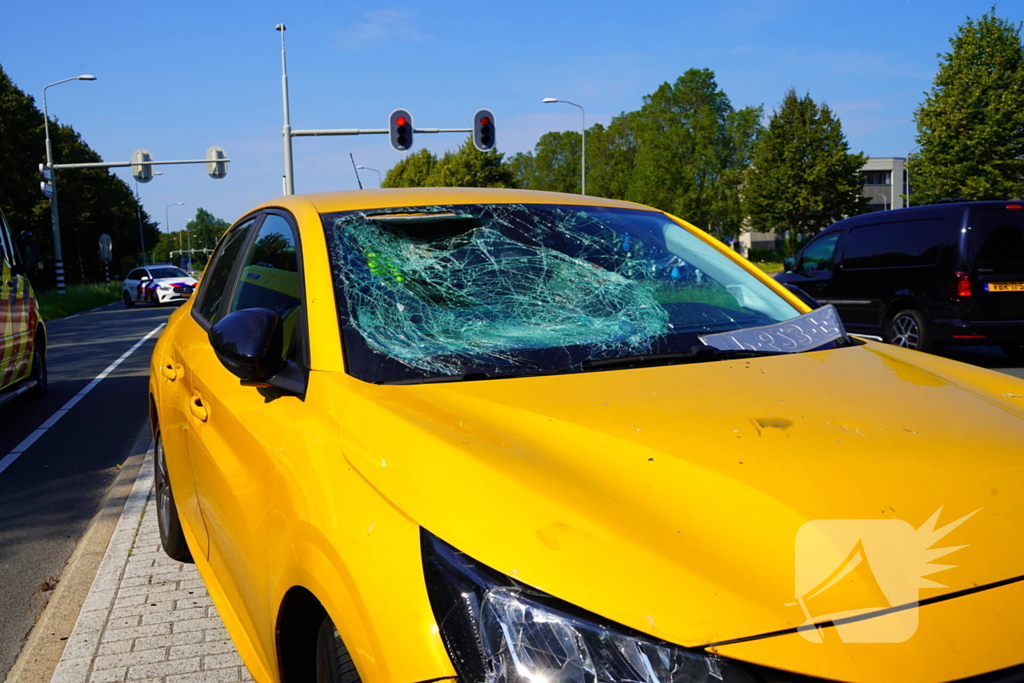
(961, 285)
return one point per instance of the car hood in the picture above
(175, 281)
(669, 498)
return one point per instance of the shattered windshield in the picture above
(506, 289)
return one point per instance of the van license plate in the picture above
(1004, 286)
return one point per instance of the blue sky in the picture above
(175, 78)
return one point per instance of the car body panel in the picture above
(150, 291)
(666, 499)
(20, 322)
(582, 472)
(951, 643)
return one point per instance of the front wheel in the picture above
(333, 662)
(128, 301)
(907, 329)
(39, 375)
(172, 538)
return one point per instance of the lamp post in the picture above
(583, 134)
(289, 180)
(367, 168)
(906, 174)
(167, 223)
(138, 211)
(58, 257)
(885, 206)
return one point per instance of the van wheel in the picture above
(907, 329)
(333, 662)
(172, 538)
(128, 301)
(1014, 351)
(39, 375)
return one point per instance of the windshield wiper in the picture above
(696, 354)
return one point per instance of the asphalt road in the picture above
(50, 492)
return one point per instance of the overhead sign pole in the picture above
(289, 179)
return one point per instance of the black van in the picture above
(926, 276)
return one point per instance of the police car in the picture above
(22, 334)
(157, 284)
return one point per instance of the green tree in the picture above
(802, 176)
(520, 165)
(412, 171)
(556, 163)
(971, 125)
(611, 157)
(92, 202)
(691, 144)
(469, 167)
(204, 230)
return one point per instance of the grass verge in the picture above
(76, 299)
(770, 267)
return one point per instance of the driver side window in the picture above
(818, 254)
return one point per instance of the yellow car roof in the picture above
(325, 202)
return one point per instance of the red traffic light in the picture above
(401, 121)
(484, 121)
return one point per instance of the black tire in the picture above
(172, 538)
(128, 302)
(333, 662)
(39, 374)
(1014, 351)
(907, 329)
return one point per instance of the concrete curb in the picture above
(147, 617)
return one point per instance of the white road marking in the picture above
(9, 459)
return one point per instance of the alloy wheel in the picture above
(905, 332)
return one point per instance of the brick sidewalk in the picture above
(147, 617)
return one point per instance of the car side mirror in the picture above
(250, 343)
(144, 278)
(789, 264)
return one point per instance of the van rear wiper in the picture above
(696, 354)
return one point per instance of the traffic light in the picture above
(214, 165)
(142, 173)
(46, 185)
(401, 130)
(483, 130)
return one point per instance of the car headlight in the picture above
(497, 630)
(165, 288)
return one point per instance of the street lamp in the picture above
(367, 168)
(289, 180)
(58, 257)
(906, 174)
(583, 133)
(167, 223)
(138, 211)
(884, 204)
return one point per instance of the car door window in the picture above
(817, 256)
(218, 273)
(135, 275)
(270, 277)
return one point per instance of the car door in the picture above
(189, 332)
(237, 433)
(8, 359)
(132, 282)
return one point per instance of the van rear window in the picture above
(997, 235)
(895, 245)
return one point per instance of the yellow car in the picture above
(504, 436)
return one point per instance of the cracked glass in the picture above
(490, 290)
